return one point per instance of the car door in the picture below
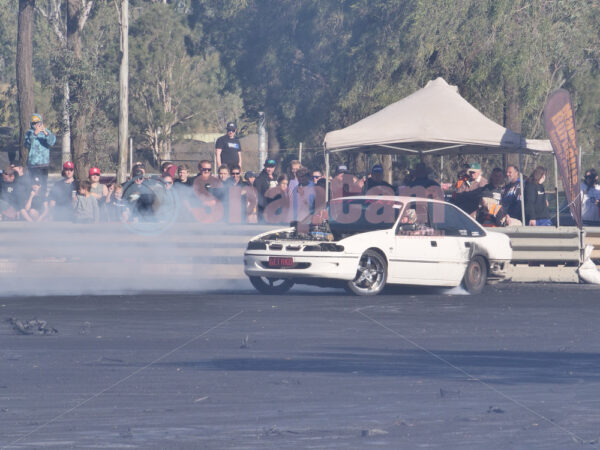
(453, 223)
(423, 254)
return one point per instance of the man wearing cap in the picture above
(476, 179)
(62, 194)
(376, 181)
(11, 197)
(39, 140)
(228, 149)
(264, 181)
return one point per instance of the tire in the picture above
(476, 275)
(371, 274)
(271, 286)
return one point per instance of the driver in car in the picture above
(410, 226)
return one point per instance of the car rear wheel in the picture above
(271, 286)
(476, 275)
(371, 274)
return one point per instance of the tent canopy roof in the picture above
(432, 120)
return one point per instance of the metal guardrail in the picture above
(544, 245)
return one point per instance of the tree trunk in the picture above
(66, 128)
(24, 65)
(78, 113)
(124, 93)
(512, 119)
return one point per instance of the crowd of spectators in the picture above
(232, 196)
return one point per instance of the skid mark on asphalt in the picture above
(573, 435)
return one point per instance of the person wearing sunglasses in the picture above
(62, 194)
(39, 140)
(228, 149)
(590, 198)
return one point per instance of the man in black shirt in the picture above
(228, 148)
(62, 194)
(11, 197)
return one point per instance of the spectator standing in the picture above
(536, 204)
(223, 173)
(278, 201)
(292, 178)
(228, 149)
(183, 176)
(98, 190)
(375, 184)
(318, 179)
(36, 206)
(421, 177)
(236, 176)
(250, 177)
(139, 196)
(251, 199)
(62, 194)
(496, 184)
(85, 207)
(303, 196)
(39, 140)
(590, 201)
(168, 168)
(511, 194)
(117, 208)
(264, 181)
(475, 181)
(206, 188)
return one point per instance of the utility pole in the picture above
(262, 141)
(123, 93)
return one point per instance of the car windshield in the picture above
(350, 215)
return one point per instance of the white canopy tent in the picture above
(433, 120)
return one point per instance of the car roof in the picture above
(394, 198)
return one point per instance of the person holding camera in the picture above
(39, 140)
(590, 198)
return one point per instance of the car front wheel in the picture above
(371, 274)
(476, 275)
(271, 286)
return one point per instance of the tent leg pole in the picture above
(522, 188)
(326, 176)
(556, 187)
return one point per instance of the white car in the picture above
(367, 242)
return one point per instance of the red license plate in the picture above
(276, 261)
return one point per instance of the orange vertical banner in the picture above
(559, 122)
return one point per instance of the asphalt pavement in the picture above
(517, 367)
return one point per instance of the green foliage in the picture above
(172, 91)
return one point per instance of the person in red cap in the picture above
(62, 193)
(98, 190)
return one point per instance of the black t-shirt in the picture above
(37, 203)
(62, 193)
(229, 149)
(13, 195)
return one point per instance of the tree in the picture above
(24, 72)
(78, 12)
(173, 91)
